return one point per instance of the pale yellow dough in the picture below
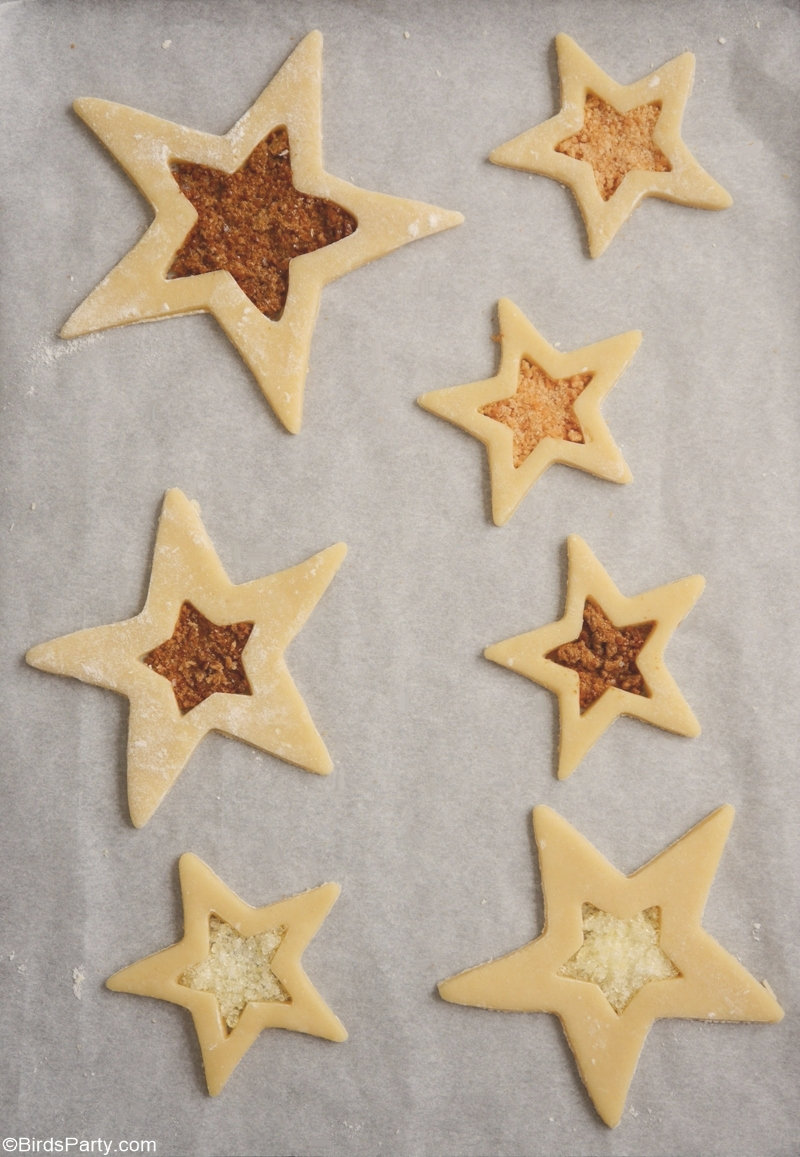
(710, 983)
(160, 738)
(162, 975)
(597, 454)
(664, 606)
(686, 182)
(137, 289)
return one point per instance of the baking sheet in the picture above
(439, 755)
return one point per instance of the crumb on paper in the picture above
(78, 977)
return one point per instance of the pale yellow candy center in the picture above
(620, 956)
(237, 969)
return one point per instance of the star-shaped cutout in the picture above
(702, 982)
(615, 665)
(201, 658)
(164, 729)
(603, 656)
(289, 1001)
(254, 223)
(542, 406)
(614, 144)
(160, 157)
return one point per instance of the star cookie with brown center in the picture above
(248, 226)
(615, 144)
(605, 656)
(204, 654)
(542, 407)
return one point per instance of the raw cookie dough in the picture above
(702, 980)
(568, 431)
(658, 612)
(139, 288)
(163, 730)
(595, 110)
(289, 1000)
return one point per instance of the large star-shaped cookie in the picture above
(288, 1000)
(676, 970)
(603, 665)
(542, 406)
(178, 659)
(157, 155)
(614, 144)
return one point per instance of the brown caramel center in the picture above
(253, 222)
(201, 658)
(604, 655)
(541, 408)
(614, 143)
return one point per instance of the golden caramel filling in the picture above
(620, 956)
(615, 143)
(253, 222)
(201, 658)
(604, 655)
(237, 969)
(541, 408)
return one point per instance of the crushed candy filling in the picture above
(254, 221)
(615, 143)
(604, 655)
(620, 956)
(201, 658)
(542, 407)
(237, 969)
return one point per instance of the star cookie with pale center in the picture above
(248, 226)
(237, 969)
(542, 407)
(619, 952)
(605, 656)
(615, 144)
(204, 654)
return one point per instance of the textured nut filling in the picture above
(200, 658)
(253, 222)
(542, 407)
(620, 956)
(614, 143)
(237, 969)
(604, 655)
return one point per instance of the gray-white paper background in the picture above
(439, 755)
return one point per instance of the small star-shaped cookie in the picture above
(605, 656)
(293, 228)
(245, 980)
(618, 953)
(543, 406)
(203, 655)
(614, 144)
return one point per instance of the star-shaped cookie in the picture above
(614, 144)
(619, 952)
(321, 227)
(543, 406)
(247, 980)
(203, 655)
(605, 656)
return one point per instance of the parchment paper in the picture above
(440, 755)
